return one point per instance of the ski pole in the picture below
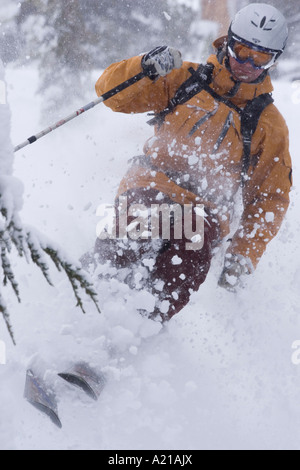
(90, 105)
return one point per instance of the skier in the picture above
(216, 130)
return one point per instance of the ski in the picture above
(38, 395)
(81, 375)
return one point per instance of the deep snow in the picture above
(219, 376)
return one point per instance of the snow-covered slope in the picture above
(219, 375)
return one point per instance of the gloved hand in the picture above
(235, 268)
(161, 61)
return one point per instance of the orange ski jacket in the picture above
(191, 163)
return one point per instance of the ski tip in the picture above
(47, 411)
(82, 376)
(38, 395)
(80, 383)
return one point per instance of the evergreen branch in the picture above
(6, 318)
(17, 237)
(5, 243)
(13, 233)
(76, 277)
(36, 257)
(8, 273)
(52, 253)
(26, 243)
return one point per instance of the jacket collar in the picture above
(238, 92)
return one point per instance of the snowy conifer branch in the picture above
(17, 237)
(37, 257)
(29, 245)
(5, 315)
(8, 272)
(75, 276)
(10, 235)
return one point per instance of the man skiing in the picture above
(216, 130)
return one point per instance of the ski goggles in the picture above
(258, 57)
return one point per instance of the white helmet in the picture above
(262, 26)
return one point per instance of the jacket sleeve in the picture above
(145, 95)
(266, 193)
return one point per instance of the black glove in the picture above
(235, 268)
(161, 61)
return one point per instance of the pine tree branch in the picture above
(17, 237)
(76, 277)
(28, 244)
(8, 273)
(6, 318)
(36, 257)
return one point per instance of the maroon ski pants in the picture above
(164, 267)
